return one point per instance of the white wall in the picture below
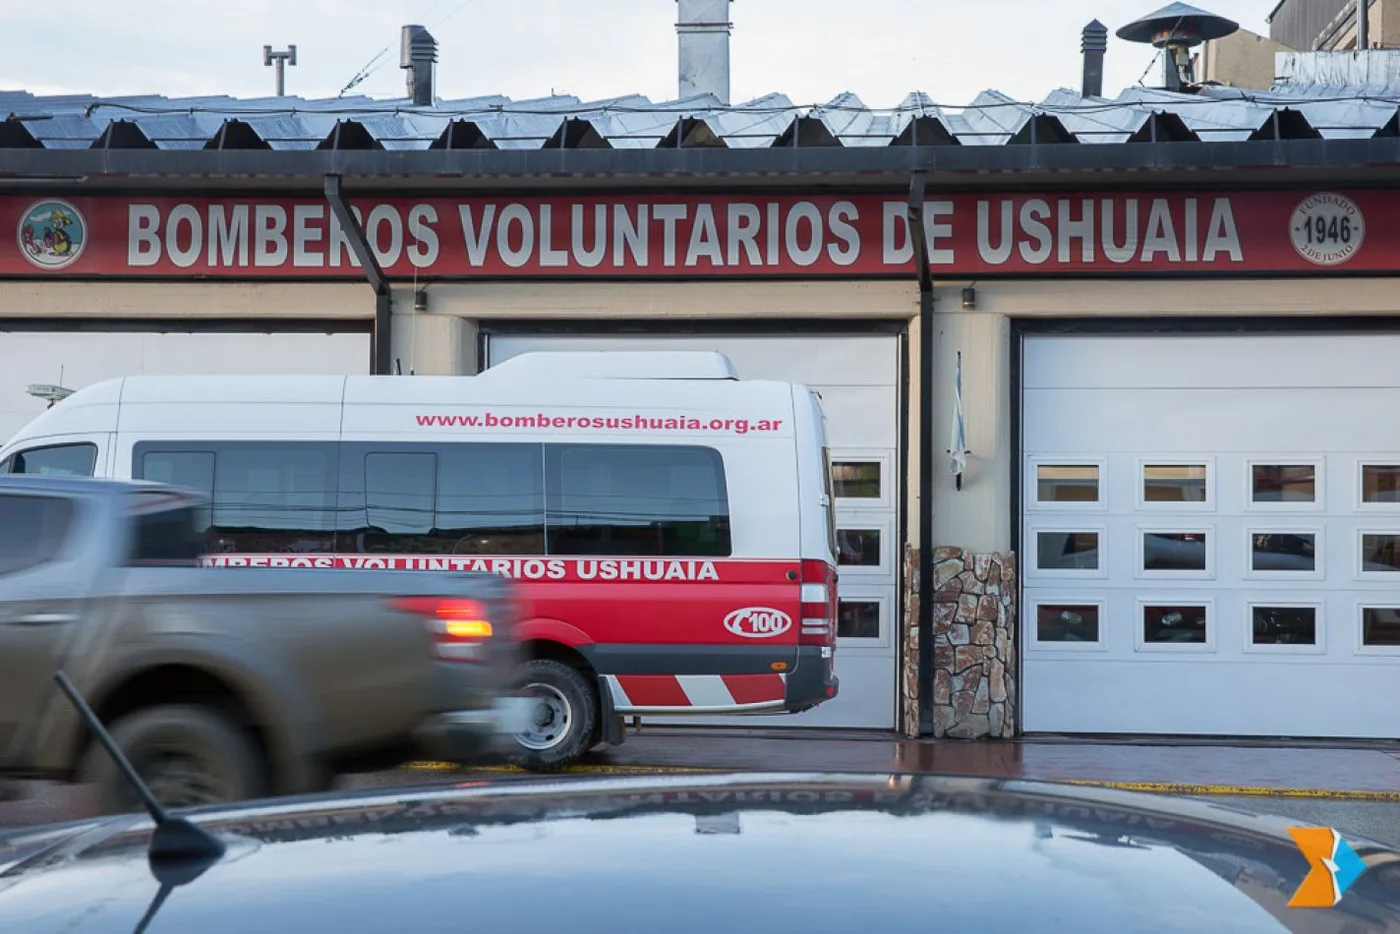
(113, 299)
(429, 343)
(78, 359)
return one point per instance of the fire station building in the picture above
(1165, 321)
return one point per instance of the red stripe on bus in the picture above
(754, 689)
(654, 691)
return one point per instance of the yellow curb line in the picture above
(1241, 791)
(515, 770)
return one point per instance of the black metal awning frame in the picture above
(1206, 164)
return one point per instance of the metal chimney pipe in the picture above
(703, 29)
(418, 54)
(1363, 24)
(1093, 43)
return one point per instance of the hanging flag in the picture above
(957, 446)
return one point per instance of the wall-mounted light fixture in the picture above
(420, 300)
(969, 298)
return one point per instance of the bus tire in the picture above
(565, 717)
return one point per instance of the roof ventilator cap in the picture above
(418, 53)
(1093, 44)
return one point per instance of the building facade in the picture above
(1166, 329)
(1331, 25)
(1298, 31)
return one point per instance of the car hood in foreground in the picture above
(713, 854)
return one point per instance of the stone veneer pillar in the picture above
(974, 644)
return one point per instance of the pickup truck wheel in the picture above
(187, 755)
(562, 716)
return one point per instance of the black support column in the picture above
(926, 448)
(381, 351)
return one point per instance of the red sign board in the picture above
(705, 236)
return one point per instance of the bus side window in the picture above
(272, 497)
(266, 496)
(399, 497)
(637, 500)
(490, 499)
(190, 470)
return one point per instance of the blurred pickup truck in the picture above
(227, 684)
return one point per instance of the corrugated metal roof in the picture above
(1307, 110)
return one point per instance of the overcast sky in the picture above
(809, 49)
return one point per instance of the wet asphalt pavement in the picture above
(1352, 787)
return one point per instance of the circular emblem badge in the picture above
(1327, 229)
(52, 234)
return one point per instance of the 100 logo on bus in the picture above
(758, 622)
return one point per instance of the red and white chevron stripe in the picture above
(635, 694)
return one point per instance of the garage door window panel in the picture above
(1172, 623)
(1378, 553)
(1176, 484)
(1284, 554)
(1379, 630)
(636, 500)
(1061, 551)
(1067, 623)
(1070, 483)
(1378, 484)
(861, 479)
(862, 619)
(1176, 552)
(56, 460)
(1284, 485)
(863, 547)
(1284, 627)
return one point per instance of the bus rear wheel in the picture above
(562, 720)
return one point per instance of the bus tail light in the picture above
(818, 605)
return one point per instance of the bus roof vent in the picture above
(615, 364)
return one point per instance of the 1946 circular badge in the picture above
(1327, 228)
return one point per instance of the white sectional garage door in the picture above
(858, 377)
(79, 358)
(1211, 535)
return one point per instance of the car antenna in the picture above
(174, 837)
